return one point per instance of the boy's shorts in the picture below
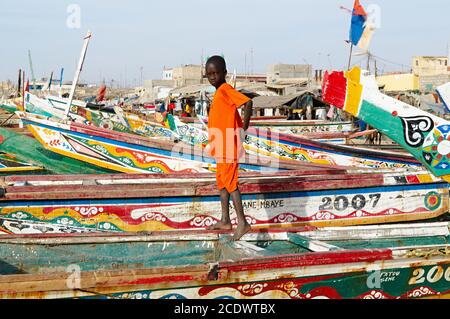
(227, 176)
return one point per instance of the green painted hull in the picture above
(204, 264)
(29, 150)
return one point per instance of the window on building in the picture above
(417, 62)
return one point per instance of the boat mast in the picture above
(33, 78)
(77, 73)
(61, 82)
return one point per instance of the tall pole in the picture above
(50, 82)
(19, 81)
(77, 73)
(23, 89)
(350, 56)
(61, 82)
(33, 78)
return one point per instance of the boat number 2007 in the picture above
(343, 202)
(433, 275)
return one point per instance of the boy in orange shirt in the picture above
(226, 131)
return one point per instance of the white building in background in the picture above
(167, 74)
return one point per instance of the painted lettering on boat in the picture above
(258, 204)
(357, 202)
(389, 276)
(434, 274)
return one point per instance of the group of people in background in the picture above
(186, 108)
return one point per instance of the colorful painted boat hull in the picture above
(122, 203)
(29, 150)
(303, 127)
(9, 164)
(422, 134)
(102, 149)
(130, 153)
(276, 265)
(289, 147)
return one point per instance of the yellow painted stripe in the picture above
(81, 157)
(425, 178)
(354, 91)
(21, 168)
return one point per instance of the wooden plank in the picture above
(269, 185)
(312, 245)
(380, 231)
(309, 259)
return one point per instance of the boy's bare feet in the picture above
(220, 226)
(241, 230)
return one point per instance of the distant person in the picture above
(223, 120)
(188, 109)
(198, 108)
(162, 108)
(171, 107)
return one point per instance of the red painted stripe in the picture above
(156, 280)
(334, 89)
(412, 179)
(309, 259)
(307, 170)
(288, 286)
(263, 185)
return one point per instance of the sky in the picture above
(135, 39)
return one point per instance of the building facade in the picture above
(284, 72)
(399, 82)
(431, 70)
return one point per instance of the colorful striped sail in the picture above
(361, 30)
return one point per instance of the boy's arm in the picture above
(248, 109)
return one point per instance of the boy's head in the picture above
(216, 70)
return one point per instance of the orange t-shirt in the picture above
(223, 124)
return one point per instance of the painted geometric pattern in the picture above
(330, 207)
(102, 153)
(395, 283)
(282, 150)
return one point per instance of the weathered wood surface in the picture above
(167, 202)
(180, 265)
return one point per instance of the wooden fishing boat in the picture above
(145, 127)
(259, 141)
(54, 108)
(26, 149)
(424, 135)
(295, 127)
(9, 164)
(152, 202)
(130, 153)
(376, 262)
(289, 147)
